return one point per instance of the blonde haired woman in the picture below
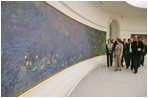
(118, 54)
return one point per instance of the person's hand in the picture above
(139, 49)
(120, 57)
(114, 56)
(109, 52)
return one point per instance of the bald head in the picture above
(135, 38)
(130, 40)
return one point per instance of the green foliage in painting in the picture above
(37, 41)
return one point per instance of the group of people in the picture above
(132, 52)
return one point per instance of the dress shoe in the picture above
(131, 68)
(119, 70)
(116, 70)
(135, 72)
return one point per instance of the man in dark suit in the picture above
(114, 45)
(129, 55)
(124, 43)
(144, 52)
(112, 41)
(137, 47)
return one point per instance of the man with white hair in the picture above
(129, 56)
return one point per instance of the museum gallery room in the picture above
(74, 48)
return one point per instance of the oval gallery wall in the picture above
(38, 41)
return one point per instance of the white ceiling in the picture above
(98, 13)
(122, 8)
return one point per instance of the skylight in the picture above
(140, 4)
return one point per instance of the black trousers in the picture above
(109, 59)
(136, 62)
(129, 60)
(123, 59)
(142, 59)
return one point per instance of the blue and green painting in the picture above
(38, 41)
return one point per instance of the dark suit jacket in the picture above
(137, 53)
(123, 43)
(127, 48)
(114, 45)
(124, 47)
(144, 51)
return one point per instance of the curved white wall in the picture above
(115, 29)
(85, 12)
(127, 34)
(95, 16)
(63, 83)
(133, 25)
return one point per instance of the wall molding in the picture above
(76, 13)
(132, 31)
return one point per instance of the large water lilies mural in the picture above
(38, 41)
